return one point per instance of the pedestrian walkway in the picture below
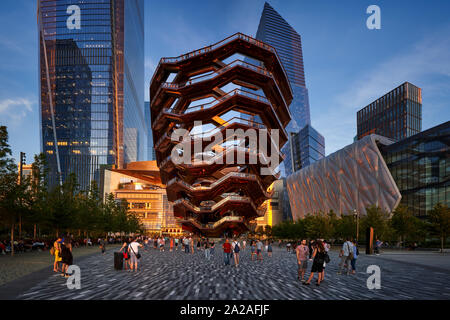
(176, 275)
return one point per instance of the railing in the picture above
(177, 86)
(229, 175)
(218, 45)
(209, 105)
(209, 134)
(215, 206)
(215, 224)
(214, 159)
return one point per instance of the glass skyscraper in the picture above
(396, 115)
(307, 147)
(148, 122)
(91, 85)
(274, 30)
(420, 166)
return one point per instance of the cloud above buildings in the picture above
(14, 110)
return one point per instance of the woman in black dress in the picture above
(318, 260)
(66, 256)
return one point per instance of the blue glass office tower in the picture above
(274, 30)
(91, 85)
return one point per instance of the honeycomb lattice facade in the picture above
(212, 196)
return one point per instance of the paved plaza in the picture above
(176, 275)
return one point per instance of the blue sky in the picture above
(347, 66)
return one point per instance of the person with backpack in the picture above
(236, 250)
(355, 256)
(318, 257)
(346, 256)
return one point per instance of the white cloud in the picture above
(425, 64)
(15, 109)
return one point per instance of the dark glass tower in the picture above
(91, 92)
(307, 147)
(420, 166)
(396, 115)
(274, 30)
(148, 123)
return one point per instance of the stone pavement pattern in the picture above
(22, 264)
(176, 275)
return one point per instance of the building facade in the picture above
(91, 98)
(140, 185)
(396, 115)
(350, 179)
(420, 166)
(213, 193)
(274, 30)
(148, 123)
(307, 147)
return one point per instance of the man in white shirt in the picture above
(133, 250)
(346, 255)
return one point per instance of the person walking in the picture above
(302, 252)
(102, 244)
(176, 244)
(212, 248)
(318, 260)
(171, 244)
(236, 250)
(207, 249)
(133, 250)
(191, 244)
(244, 244)
(198, 245)
(346, 256)
(259, 248)
(252, 248)
(355, 256)
(186, 245)
(311, 249)
(269, 248)
(288, 247)
(226, 252)
(327, 247)
(161, 244)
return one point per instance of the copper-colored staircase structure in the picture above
(209, 195)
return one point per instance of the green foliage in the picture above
(439, 219)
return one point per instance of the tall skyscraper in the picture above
(396, 115)
(148, 123)
(91, 85)
(274, 30)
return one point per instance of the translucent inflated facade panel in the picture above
(352, 178)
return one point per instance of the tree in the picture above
(439, 218)
(345, 227)
(377, 219)
(404, 223)
(11, 193)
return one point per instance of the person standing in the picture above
(66, 257)
(57, 253)
(171, 244)
(378, 244)
(244, 244)
(212, 249)
(302, 252)
(226, 252)
(207, 249)
(236, 250)
(259, 248)
(318, 260)
(133, 250)
(126, 255)
(355, 256)
(186, 245)
(161, 244)
(346, 256)
(288, 247)
(176, 244)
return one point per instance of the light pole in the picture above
(357, 223)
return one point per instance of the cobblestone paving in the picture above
(176, 275)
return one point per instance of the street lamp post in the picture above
(357, 223)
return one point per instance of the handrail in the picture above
(177, 86)
(210, 133)
(211, 104)
(215, 206)
(217, 182)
